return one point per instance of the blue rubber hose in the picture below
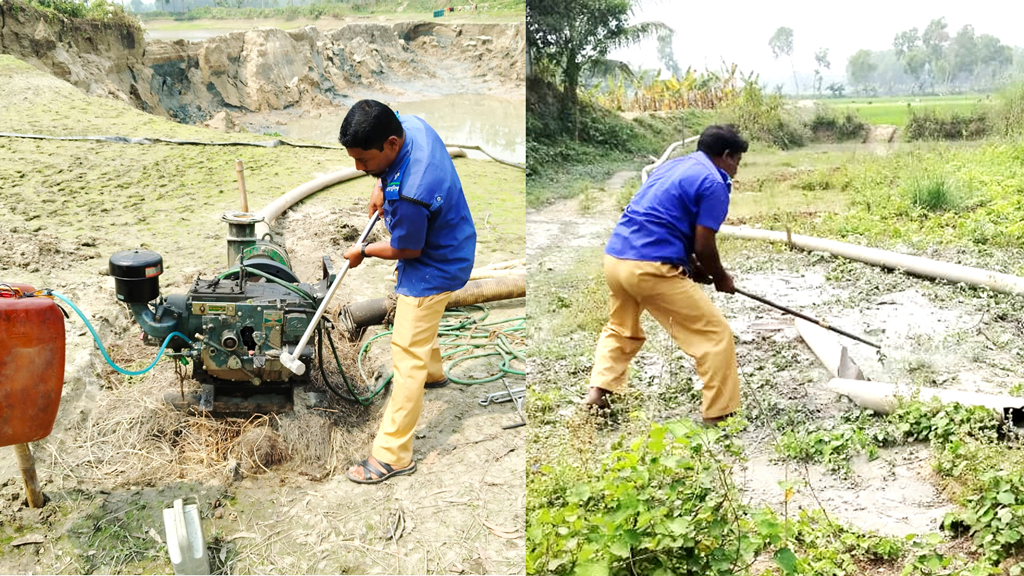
(104, 350)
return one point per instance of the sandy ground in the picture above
(272, 490)
(932, 333)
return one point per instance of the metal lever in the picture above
(292, 362)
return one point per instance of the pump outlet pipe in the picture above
(271, 211)
(915, 265)
(292, 362)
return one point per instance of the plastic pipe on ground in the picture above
(271, 211)
(916, 265)
(883, 397)
(827, 348)
(647, 169)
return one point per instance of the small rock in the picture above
(218, 513)
(30, 539)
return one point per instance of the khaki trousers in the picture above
(416, 357)
(685, 311)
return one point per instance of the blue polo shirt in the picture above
(660, 222)
(425, 209)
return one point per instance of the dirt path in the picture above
(924, 327)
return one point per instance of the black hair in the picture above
(716, 140)
(368, 125)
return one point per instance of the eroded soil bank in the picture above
(268, 69)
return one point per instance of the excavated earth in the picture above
(268, 69)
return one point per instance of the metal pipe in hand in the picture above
(806, 317)
(292, 362)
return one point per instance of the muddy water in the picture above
(498, 125)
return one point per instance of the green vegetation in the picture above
(986, 473)
(663, 502)
(897, 111)
(105, 11)
(413, 9)
(571, 148)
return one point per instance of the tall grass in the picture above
(1009, 114)
(934, 193)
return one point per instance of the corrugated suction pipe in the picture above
(358, 315)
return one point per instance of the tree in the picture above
(137, 6)
(911, 53)
(821, 59)
(837, 89)
(781, 44)
(667, 57)
(994, 56)
(860, 68)
(574, 34)
(964, 54)
(935, 41)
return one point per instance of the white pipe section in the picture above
(916, 265)
(271, 211)
(883, 397)
(827, 348)
(291, 361)
(647, 169)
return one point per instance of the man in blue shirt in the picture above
(434, 240)
(664, 243)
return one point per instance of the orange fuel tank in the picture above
(31, 365)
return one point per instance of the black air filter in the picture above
(136, 275)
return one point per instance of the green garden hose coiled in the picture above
(465, 336)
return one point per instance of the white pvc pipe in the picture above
(647, 169)
(883, 397)
(916, 265)
(271, 211)
(829, 350)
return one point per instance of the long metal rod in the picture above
(291, 361)
(806, 317)
(28, 472)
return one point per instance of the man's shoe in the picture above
(597, 399)
(716, 420)
(438, 384)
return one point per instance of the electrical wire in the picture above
(250, 270)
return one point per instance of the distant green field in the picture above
(896, 110)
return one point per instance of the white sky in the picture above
(738, 30)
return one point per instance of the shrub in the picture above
(762, 117)
(1009, 113)
(930, 125)
(934, 193)
(663, 504)
(826, 125)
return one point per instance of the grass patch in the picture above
(411, 9)
(897, 111)
(105, 11)
(933, 193)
